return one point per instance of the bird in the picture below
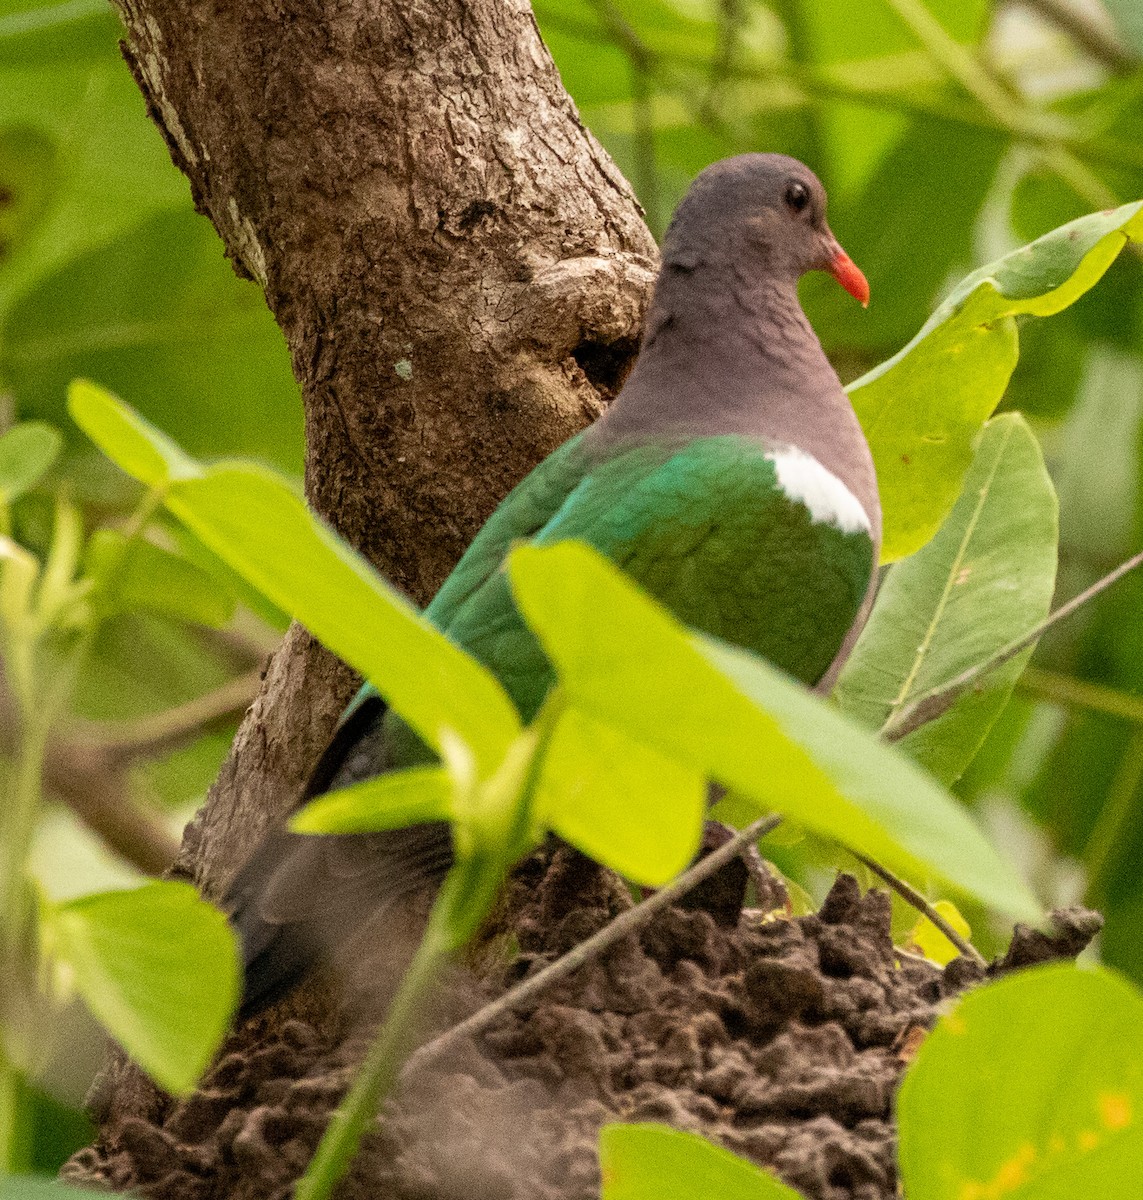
(729, 477)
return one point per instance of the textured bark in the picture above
(460, 273)
(459, 269)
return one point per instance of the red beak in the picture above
(849, 275)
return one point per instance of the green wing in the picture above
(520, 515)
(707, 530)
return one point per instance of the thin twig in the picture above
(910, 895)
(965, 66)
(623, 926)
(162, 732)
(641, 60)
(1081, 693)
(87, 770)
(930, 705)
(98, 792)
(807, 84)
(1081, 26)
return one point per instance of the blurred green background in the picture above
(946, 131)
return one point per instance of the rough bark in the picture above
(459, 270)
(460, 273)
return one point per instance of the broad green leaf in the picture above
(127, 438)
(206, 560)
(141, 575)
(28, 176)
(38, 32)
(158, 967)
(1032, 1088)
(933, 944)
(159, 317)
(653, 1162)
(30, 1187)
(109, 167)
(985, 580)
(389, 801)
(255, 523)
(1129, 17)
(627, 662)
(922, 409)
(26, 452)
(628, 806)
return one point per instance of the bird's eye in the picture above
(797, 196)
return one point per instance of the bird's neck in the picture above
(735, 356)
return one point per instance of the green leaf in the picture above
(931, 942)
(228, 579)
(158, 967)
(1129, 17)
(140, 575)
(26, 452)
(985, 580)
(29, 1187)
(388, 801)
(126, 438)
(109, 167)
(42, 33)
(652, 1162)
(1032, 1088)
(159, 317)
(628, 806)
(627, 662)
(922, 409)
(255, 523)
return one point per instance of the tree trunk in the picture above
(461, 276)
(459, 269)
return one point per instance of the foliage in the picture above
(106, 272)
(644, 1162)
(983, 581)
(1030, 1087)
(139, 957)
(133, 956)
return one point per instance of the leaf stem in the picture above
(159, 733)
(21, 805)
(378, 1071)
(910, 895)
(462, 904)
(931, 704)
(623, 926)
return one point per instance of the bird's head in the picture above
(762, 214)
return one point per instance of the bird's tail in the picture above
(300, 898)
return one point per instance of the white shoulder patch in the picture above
(803, 478)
